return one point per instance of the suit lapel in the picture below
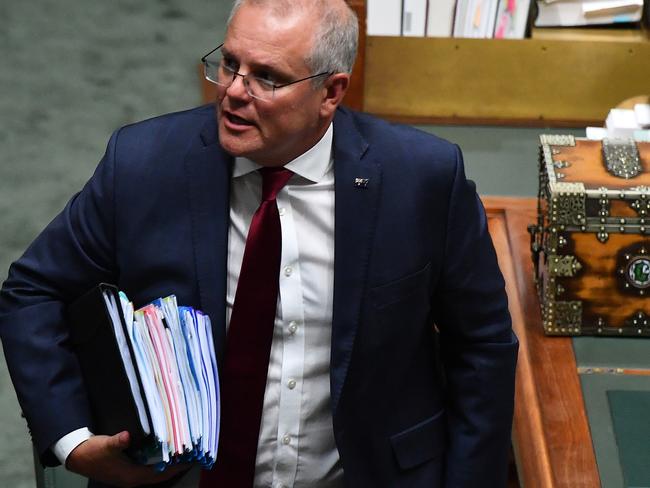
(208, 169)
(357, 186)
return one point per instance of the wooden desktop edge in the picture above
(551, 437)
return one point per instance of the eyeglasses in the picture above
(223, 71)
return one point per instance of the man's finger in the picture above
(119, 441)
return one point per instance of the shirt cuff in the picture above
(66, 444)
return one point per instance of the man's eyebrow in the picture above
(258, 65)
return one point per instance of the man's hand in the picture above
(101, 458)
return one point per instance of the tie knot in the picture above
(273, 179)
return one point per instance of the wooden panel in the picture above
(587, 166)
(597, 285)
(593, 34)
(551, 437)
(525, 81)
(622, 208)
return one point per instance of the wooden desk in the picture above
(551, 437)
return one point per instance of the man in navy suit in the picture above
(382, 237)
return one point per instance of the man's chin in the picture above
(235, 145)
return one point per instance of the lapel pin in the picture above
(361, 182)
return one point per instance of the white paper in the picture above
(642, 114)
(170, 381)
(479, 19)
(511, 24)
(189, 320)
(156, 397)
(384, 17)
(216, 400)
(610, 7)
(112, 307)
(190, 390)
(193, 363)
(596, 133)
(621, 123)
(641, 135)
(206, 363)
(414, 18)
(569, 13)
(440, 21)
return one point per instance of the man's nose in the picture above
(237, 88)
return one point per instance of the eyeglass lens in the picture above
(218, 71)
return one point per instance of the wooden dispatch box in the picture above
(591, 242)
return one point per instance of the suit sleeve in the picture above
(72, 254)
(478, 347)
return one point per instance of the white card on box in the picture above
(642, 114)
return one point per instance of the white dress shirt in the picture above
(296, 443)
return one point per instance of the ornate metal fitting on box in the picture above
(567, 204)
(561, 164)
(563, 317)
(639, 321)
(557, 140)
(551, 241)
(622, 158)
(604, 223)
(568, 314)
(633, 266)
(566, 200)
(563, 266)
(603, 214)
(642, 207)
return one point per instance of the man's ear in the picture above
(334, 90)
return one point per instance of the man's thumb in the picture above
(119, 441)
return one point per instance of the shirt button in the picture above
(286, 439)
(293, 327)
(291, 384)
(288, 270)
(281, 212)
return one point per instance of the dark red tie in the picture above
(249, 343)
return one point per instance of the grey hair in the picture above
(335, 41)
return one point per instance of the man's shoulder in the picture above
(169, 127)
(195, 115)
(399, 137)
(162, 141)
(399, 146)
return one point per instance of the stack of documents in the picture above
(445, 18)
(500, 19)
(567, 13)
(512, 19)
(624, 124)
(152, 372)
(475, 18)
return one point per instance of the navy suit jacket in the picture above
(411, 250)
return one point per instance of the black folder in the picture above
(109, 392)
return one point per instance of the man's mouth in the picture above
(236, 120)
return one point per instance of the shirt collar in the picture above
(311, 165)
